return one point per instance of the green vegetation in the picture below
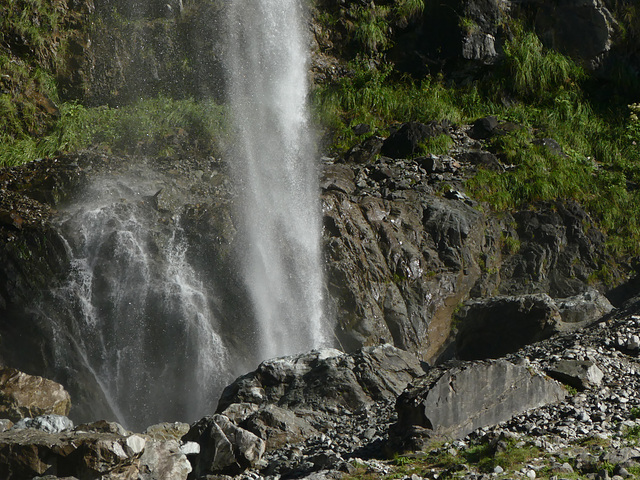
(598, 163)
(370, 25)
(439, 145)
(159, 126)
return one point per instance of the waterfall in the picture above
(134, 313)
(273, 162)
(153, 320)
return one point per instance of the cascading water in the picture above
(152, 321)
(274, 164)
(133, 312)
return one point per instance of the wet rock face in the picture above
(450, 403)
(145, 49)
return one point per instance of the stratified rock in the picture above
(453, 402)
(578, 374)
(338, 177)
(224, 447)
(23, 395)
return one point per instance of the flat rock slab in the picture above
(453, 402)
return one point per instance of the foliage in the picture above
(371, 24)
(35, 28)
(372, 95)
(158, 126)
(533, 71)
(439, 145)
(632, 433)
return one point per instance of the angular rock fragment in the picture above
(224, 447)
(578, 374)
(452, 402)
(23, 395)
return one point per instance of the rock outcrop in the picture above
(406, 247)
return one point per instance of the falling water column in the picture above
(278, 176)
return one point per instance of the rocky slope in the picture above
(412, 263)
(327, 414)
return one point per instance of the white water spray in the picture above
(274, 164)
(136, 315)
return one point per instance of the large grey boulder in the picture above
(287, 400)
(452, 402)
(225, 448)
(493, 327)
(324, 380)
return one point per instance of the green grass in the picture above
(600, 167)
(154, 126)
(373, 96)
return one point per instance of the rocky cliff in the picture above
(414, 259)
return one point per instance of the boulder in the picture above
(493, 327)
(582, 310)
(407, 139)
(366, 151)
(28, 453)
(23, 395)
(278, 426)
(582, 29)
(225, 448)
(287, 400)
(578, 374)
(163, 460)
(452, 401)
(324, 380)
(46, 423)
